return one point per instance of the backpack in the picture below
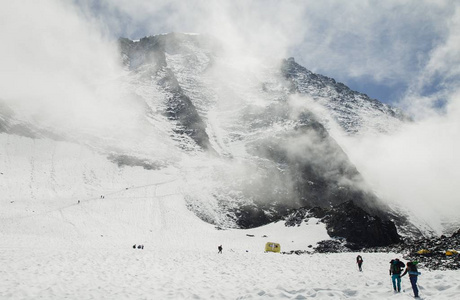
(396, 266)
(412, 266)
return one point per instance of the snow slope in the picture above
(78, 196)
(101, 273)
(52, 247)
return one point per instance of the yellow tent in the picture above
(272, 247)
(451, 252)
(423, 251)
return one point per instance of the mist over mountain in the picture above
(272, 114)
(250, 136)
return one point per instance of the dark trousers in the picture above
(413, 282)
(396, 279)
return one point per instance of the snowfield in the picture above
(49, 272)
(69, 219)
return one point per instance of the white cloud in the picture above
(440, 76)
(418, 167)
(54, 62)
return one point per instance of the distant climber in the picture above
(134, 246)
(78, 202)
(359, 261)
(219, 249)
(396, 267)
(413, 275)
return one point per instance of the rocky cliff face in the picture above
(353, 111)
(299, 163)
(148, 57)
(357, 228)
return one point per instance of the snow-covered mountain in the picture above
(273, 115)
(249, 139)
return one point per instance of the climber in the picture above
(359, 261)
(395, 271)
(413, 275)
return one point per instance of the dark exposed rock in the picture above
(149, 57)
(298, 216)
(315, 172)
(350, 223)
(435, 258)
(250, 216)
(182, 110)
(360, 228)
(298, 252)
(131, 161)
(331, 246)
(320, 171)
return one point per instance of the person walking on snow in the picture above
(220, 249)
(359, 261)
(413, 275)
(396, 267)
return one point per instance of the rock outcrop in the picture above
(350, 225)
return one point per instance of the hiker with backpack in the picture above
(396, 267)
(413, 275)
(359, 261)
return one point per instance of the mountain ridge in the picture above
(296, 78)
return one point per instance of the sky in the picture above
(402, 52)
(386, 49)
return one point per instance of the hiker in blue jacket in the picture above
(396, 267)
(413, 275)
